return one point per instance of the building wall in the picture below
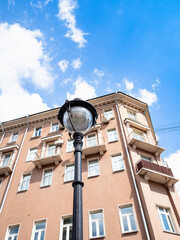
(107, 191)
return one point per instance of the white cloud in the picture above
(154, 85)
(146, 96)
(129, 84)
(22, 59)
(76, 63)
(63, 64)
(118, 85)
(174, 163)
(109, 90)
(66, 81)
(83, 90)
(11, 3)
(38, 4)
(66, 13)
(98, 72)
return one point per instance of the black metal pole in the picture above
(78, 185)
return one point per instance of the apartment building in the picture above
(128, 192)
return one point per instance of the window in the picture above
(112, 135)
(93, 168)
(166, 220)
(117, 163)
(32, 154)
(37, 132)
(14, 137)
(132, 115)
(47, 178)
(148, 159)
(96, 224)
(54, 127)
(67, 228)
(127, 219)
(108, 114)
(12, 233)
(69, 173)
(91, 140)
(70, 146)
(138, 135)
(39, 230)
(25, 180)
(51, 150)
(6, 160)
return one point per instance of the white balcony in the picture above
(48, 156)
(145, 143)
(94, 145)
(5, 167)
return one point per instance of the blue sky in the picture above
(54, 49)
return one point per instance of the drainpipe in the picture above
(3, 132)
(132, 173)
(17, 158)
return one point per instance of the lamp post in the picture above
(78, 117)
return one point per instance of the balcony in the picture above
(155, 173)
(49, 156)
(145, 143)
(94, 145)
(5, 167)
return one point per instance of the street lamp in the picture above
(78, 117)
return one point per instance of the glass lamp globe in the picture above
(77, 116)
(81, 119)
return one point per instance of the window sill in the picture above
(34, 137)
(45, 186)
(99, 237)
(120, 170)
(94, 176)
(21, 191)
(135, 231)
(113, 141)
(174, 233)
(68, 181)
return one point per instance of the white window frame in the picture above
(97, 226)
(146, 158)
(34, 228)
(8, 231)
(166, 212)
(119, 160)
(90, 143)
(35, 131)
(43, 175)
(115, 139)
(140, 133)
(67, 225)
(106, 113)
(4, 155)
(65, 174)
(132, 114)
(128, 219)
(12, 136)
(48, 148)
(91, 160)
(52, 128)
(68, 146)
(27, 182)
(29, 152)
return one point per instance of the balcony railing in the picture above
(156, 173)
(48, 156)
(6, 167)
(93, 146)
(144, 142)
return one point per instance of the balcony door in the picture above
(91, 140)
(6, 160)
